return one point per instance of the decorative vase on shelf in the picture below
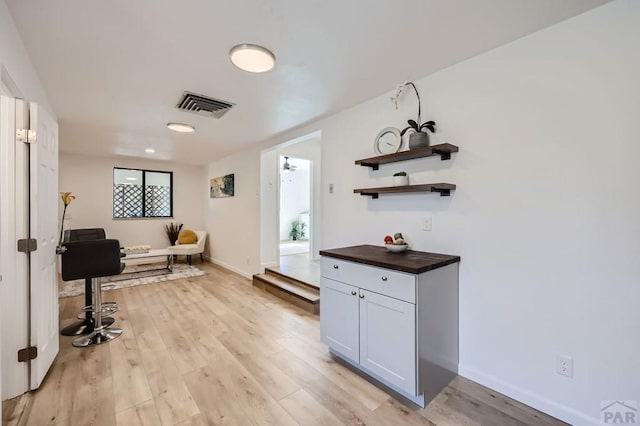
(400, 180)
(418, 140)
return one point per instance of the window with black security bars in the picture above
(158, 201)
(142, 193)
(127, 201)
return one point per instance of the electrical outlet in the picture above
(426, 224)
(564, 365)
(330, 188)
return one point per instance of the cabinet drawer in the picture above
(338, 270)
(395, 284)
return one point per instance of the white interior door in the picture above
(13, 226)
(44, 228)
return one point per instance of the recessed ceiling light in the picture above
(181, 127)
(132, 178)
(149, 150)
(252, 58)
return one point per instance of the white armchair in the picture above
(191, 249)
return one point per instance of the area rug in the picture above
(137, 275)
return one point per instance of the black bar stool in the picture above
(87, 325)
(92, 260)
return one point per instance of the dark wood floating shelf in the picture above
(443, 188)
(444, 150)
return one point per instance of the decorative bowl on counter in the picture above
(396, 248)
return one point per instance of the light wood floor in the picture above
(216, 350)
(300, 267)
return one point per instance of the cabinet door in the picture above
(339, 318)
(388, 339)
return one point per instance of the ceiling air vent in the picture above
(203, 105)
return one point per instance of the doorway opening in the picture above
(295, 205)
(290, 194)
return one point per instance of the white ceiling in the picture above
(114, 70)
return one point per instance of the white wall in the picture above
(233, 223)
(14, 57)
(90, 178)
(268, 205)
(546, 212)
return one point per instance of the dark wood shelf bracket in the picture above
(374, 166)
(444, 155)
(444, 192)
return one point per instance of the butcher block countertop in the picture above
(411, 261)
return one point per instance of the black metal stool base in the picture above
(98, 337)
(107, 310)
(81, 328)
(101, 334)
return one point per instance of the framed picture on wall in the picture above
(221, 187)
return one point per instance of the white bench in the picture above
(152, 256)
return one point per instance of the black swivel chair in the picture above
(90, 260)
(85, 234)
(87, 325)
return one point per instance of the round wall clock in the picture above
(388, 141)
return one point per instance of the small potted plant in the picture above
(420, 137)
(297, 230)
(400, 179)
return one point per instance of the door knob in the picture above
(362, 296)
(384, 278)
(335, 266)
(353, 293)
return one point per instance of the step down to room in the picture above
(298, 280)
(301, 294)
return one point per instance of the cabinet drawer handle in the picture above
(384, 278)
(353, 293)
(335, 266)
(362, 296)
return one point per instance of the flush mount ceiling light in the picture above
(150, 150)
(252, 58)
(181, 127)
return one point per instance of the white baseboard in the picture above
(534, 400)
(269, 265)
(231, 268)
